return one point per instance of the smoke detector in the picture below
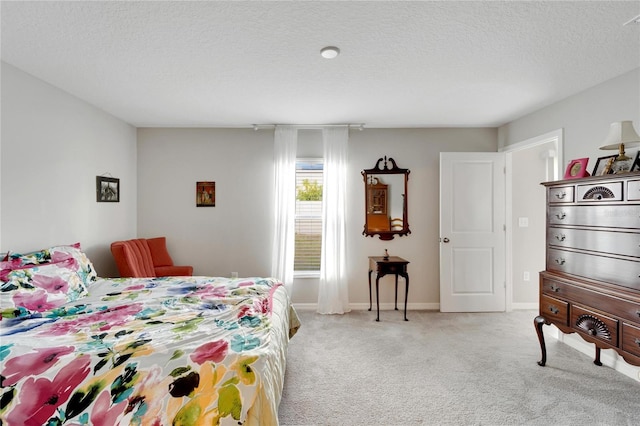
(329, 52)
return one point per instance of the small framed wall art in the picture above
(205, 194)
(603, 165)
(577, 169)
(635, 167)
(107, 189)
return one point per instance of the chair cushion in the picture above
(173, 271)
(159, 253)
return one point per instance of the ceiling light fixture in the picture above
(329, 52)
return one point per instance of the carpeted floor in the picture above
(445, 369)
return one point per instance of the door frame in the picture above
(556, 156)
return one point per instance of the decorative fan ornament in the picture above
(593, 326)
(598, 193)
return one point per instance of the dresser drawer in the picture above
(599, 192)
(625, 308)
(615, 242)
(611, 216)
(610, 269)
(594, 324)
(633, 190)
(631, 338)
(563, 194)
(554, 310)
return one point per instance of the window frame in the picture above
(312, 160)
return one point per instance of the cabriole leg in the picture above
(538, 322)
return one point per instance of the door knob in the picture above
(445, 240)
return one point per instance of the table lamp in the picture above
(621, 135)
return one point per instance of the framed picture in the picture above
(205, 194)
(635, 167)
(107, 189)
(603, 165)
(577, 169)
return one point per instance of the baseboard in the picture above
(391, 306)
(524, 306)
(410, 306)
(608, 357)
(383, 306)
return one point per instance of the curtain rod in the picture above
(359, 126)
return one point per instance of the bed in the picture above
(78, 349)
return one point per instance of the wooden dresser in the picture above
(591, 285)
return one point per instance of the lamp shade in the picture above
(621, 132)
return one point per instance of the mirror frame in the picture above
(382, 168)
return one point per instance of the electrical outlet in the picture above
(525, 276)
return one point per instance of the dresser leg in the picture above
(597, 360)
(538, 322)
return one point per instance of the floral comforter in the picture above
(161, 351)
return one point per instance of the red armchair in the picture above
(144, 258)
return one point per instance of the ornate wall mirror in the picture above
(386, 196)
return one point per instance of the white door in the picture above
(472, 232)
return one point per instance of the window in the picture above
(308, 228)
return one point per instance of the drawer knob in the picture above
(593, 331)
(554, 310)
(637, 341)
(561, 237)
(561, 195)
(556, 289)
(560, 261)
(638, 313)
(561, 215)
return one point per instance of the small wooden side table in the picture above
(388, 265)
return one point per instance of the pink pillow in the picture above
(39, 288)
(55, 254)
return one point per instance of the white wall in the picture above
(53, 147)
(419, 151)
(236, 234)
(233, 236)
(529, 169)
(585, 118)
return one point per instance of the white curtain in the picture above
(285, 141)
(333, 294)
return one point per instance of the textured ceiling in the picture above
(402, 64)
